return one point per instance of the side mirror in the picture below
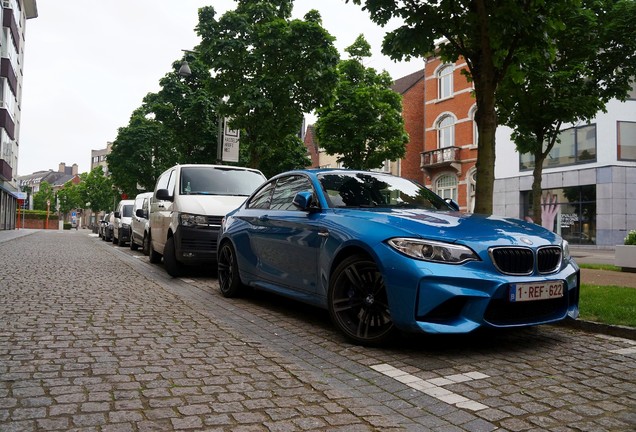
(140, 213)
(304, 201)
(163, 195)
(117, 215)
(452, 204)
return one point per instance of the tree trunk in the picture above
(536, 188)
(486, 118)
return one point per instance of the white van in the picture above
(139, 225)
(121, 225)
(188, 205)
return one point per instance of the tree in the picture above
(268, 70)
(487, 35)
(69, 197)
(364, 124)
(140, 153)
(44, 194)
(594, 62)
(96, 189)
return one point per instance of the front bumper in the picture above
(196, 245)
(442, 298)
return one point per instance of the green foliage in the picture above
(42, 196)
(608, 267)
(268, 69)
(631, 238)
(69, 197)
(613, 305)
(96, 189)
(364, 124)
(488, 35)
(141, 151)
(67, 226)
(594, 61)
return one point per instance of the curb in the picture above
(606, 329)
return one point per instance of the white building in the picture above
(14, 14)
(590, 178)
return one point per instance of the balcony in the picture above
(6, 172)
(447, 157)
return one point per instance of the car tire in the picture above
(358, 302)
(133, 246)
(228, 273)
(172, 265)
(145, 248)
(115, 240)
(153, 255)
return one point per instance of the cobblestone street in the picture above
(95, 338)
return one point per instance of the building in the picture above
(411, 87)
(14, 15)
(57, 179)
(98, 157)
(588, 180)
(450, 133)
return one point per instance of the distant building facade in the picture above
(14, 14)
(57, 179)
(588, 181)
(99, 158)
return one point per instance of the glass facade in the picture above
(577, 145)
(570, 211)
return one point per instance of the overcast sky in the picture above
(89, 63)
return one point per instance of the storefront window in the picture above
(570, 211)
(577, 145)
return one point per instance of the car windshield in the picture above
(219, 181)
(126, 211)
(369, 190)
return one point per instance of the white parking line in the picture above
(433, 387)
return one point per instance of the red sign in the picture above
(124, 196)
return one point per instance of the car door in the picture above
(161, 211)
(287, 240)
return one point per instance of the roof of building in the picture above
(402, 85)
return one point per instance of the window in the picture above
(286, 190)
(262, 198)
(626, 140)
(446, 132)
(570, 212)
(446, 187)
(577, 145)
(445, 82)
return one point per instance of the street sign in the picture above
(230, 143)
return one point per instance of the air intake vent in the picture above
(549, 259)
(513, 261)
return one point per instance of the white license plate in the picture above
(536, 291)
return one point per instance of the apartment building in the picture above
(14, 14)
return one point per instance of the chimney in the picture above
(62, 167)
(74, 172)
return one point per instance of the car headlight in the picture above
(434, 251)
(566, 250)
(188, 220)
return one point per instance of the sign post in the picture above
(228, 150)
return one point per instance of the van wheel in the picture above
(115, 240)
(154, 256)
(145, 248)
(173, 267)
(133, 245)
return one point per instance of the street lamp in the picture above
(185, 70)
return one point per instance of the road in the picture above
(95, 338)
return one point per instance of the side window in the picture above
(171, 182)
(146, 204)
(286, 190)
(162, 183)
(262, 198)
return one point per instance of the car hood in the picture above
(210, 205)
(455, 227)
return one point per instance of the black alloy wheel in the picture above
(358, 302)
(229, 279)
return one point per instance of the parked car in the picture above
(103, 222)
(140, 226)
(383, 253)
(108, 227)
(187, 207)
(123, 219)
